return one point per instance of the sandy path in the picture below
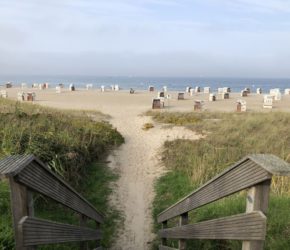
(138, 163)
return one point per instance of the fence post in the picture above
(164, 240)
(183, 220)
(257, 200)
(83, 223)
(98, 243)
(21, 205)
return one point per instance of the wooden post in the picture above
(183, 220)
(21, 205)
(164, 240)
(257, 200)
(98, 244)
(83, 223)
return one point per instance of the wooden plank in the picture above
(257, 200)
(43, 181)
(164, 240)
(11, 164)
(249, 226)
(243, 175)
(39, 232)
(161, 247)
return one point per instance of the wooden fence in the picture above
(254, 173)
(28, 175)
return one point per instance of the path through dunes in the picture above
(138, 163)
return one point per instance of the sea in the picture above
(142, 83)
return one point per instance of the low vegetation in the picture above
(227, 137)
(147, 126)
(74, 144)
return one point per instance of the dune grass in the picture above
(227, 137)
(73, 144)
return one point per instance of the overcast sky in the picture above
(243, 38)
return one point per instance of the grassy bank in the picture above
(74, 144)
(227, 137)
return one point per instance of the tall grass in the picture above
(70, 142)
(227, 137)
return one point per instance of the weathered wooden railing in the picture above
(27, 175)
(254, 172)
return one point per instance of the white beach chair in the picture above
(187, 89)
(244, 93)
(192, 91)
(206, 90)
(241, 106)
(72, 87)
(20, 96)
(89, 86)
(23, 85)
(226, 90)
(268, 101)
(3, 94)
(102, 88)
(212, 97)
(35, 85)
(116, 87)
(259, 91)
(180, 96)
(164, 88)
(58, 89)
(160, 94)
(287, 91)
(197, 89)
(220, 90)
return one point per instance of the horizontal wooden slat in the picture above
(250, 226)
(39, 232)
(42, 180)
(242, 175)
(166, 248)
(11, 164)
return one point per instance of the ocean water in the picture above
(142, 83)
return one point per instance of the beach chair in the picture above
(180, 96)
(156, 104)
(8, 85)
(192, 91)
(244, 93)
(102, 88)
(226, 89)
(206, 90)
(30, 96)
(220, 90)
(259, 91)
(287, 91)
(164, 88)
(58, 89)
(35, 85)
(3, 94)
(197, 89)
(241, 106)
(248, 90)
(151, 88)
(41, 86)
(132, 91)
(212, 97)
(89, 86)
(160, 94)
(72, 87)
(20, 96)
(188, 89)
(225, 95)
(276, 94)
(198, 105)
(23, 85)
(116, 87)
(268, 101)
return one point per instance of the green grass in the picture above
(227, 137)
(73, 144)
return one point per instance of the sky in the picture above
(199, 38)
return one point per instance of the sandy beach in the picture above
(137, 160)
